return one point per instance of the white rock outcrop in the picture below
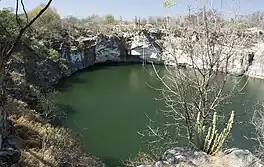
(107, 49)
(256, 68)
(145, 50)
(179, 157)
(144, 47)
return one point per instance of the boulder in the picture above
(179, 156)
(9, 153)
(242, 157)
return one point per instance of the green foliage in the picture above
(92, 23)
(9, 26)
(109, 18)
(169, 3)
(48, 23)
(211, 141)
(53, 54)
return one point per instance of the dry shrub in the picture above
(43, 144)
(18, 108)
(57, 148)
(141, 159)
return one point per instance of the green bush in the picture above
(9, 24)
(53, 54)
(109, 18)
(48, 23)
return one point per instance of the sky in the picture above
(128, 9)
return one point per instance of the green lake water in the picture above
(108, 106)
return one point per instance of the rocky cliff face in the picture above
(145, 47)
(150, 46)
(245, 61)
(256, 62)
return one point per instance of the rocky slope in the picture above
(31, 140)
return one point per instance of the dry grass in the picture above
(43, 145)
(141, 159)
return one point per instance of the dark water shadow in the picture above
(66, 110)
(68, 82)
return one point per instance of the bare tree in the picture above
(194, 94)
(47, 104)
(7, 48)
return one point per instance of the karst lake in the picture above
(107, 107)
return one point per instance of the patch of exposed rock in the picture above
(179, 157)
(9, 153)
(256, 66)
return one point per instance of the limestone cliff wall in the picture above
(256, 67)
(144, 47)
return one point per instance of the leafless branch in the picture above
(24, 9)
(17, 16)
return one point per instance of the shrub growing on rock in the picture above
(109, 18)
